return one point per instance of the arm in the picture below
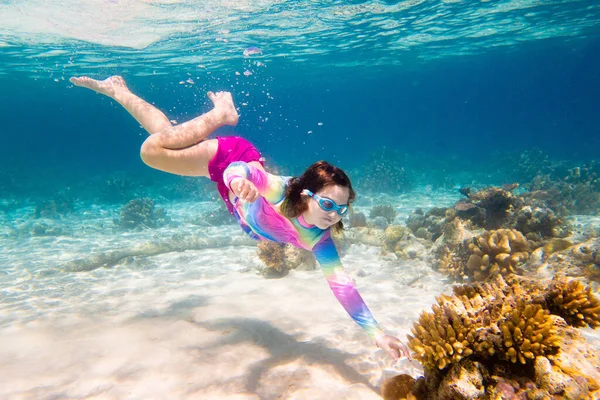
(271, 187)
(343, 288)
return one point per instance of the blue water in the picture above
(434, 95)
(459, 102)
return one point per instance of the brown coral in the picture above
(575, 302)
(509, 320)
(497, 252)
(280, 258)
(528, 332)
(478, 340)
(273, 256)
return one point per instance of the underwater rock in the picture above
(400, 241)
(141, 214)
(463, 381)
(503, 337)
(368, 236)
(178, 243)
(578, 260)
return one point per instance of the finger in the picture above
(402, 350)
(244, 192)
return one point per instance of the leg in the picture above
(151, 118)
(180, 149)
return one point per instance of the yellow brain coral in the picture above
(498, 252)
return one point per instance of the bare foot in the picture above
(109, 86)
(224, 107)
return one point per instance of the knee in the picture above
(149, 152)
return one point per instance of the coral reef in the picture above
(369, 236)
(60, 206)
(388, 212)
(400, 241)
(141, 214)
(575, 303)
(576, 192)
(531, 163)
(280, 258)
(505, 337)
(493, 208)
(428, 225)
(357, 219)
(496, 252)
(576, 260)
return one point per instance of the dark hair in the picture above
(316, 177)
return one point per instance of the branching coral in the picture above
(504, 336)
(528, 331)
(575, 302)
(497, 252)
(509, 320)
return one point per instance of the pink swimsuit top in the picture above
(261, 221)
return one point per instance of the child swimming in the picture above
(301, 211)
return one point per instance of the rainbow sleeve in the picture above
(271, 187)
(343, 288)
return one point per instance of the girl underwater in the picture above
(301, 211)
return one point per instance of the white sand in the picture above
(193, 325)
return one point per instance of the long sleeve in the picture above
(271, 187)
(343, 288)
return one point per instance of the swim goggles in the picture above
(327, 204)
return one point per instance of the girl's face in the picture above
(322, 219)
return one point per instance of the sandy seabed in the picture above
(194, 324)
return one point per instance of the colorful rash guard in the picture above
(261, 221)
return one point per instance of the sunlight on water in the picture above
(88, 35)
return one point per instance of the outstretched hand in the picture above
(244, 189)
(394, 347)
